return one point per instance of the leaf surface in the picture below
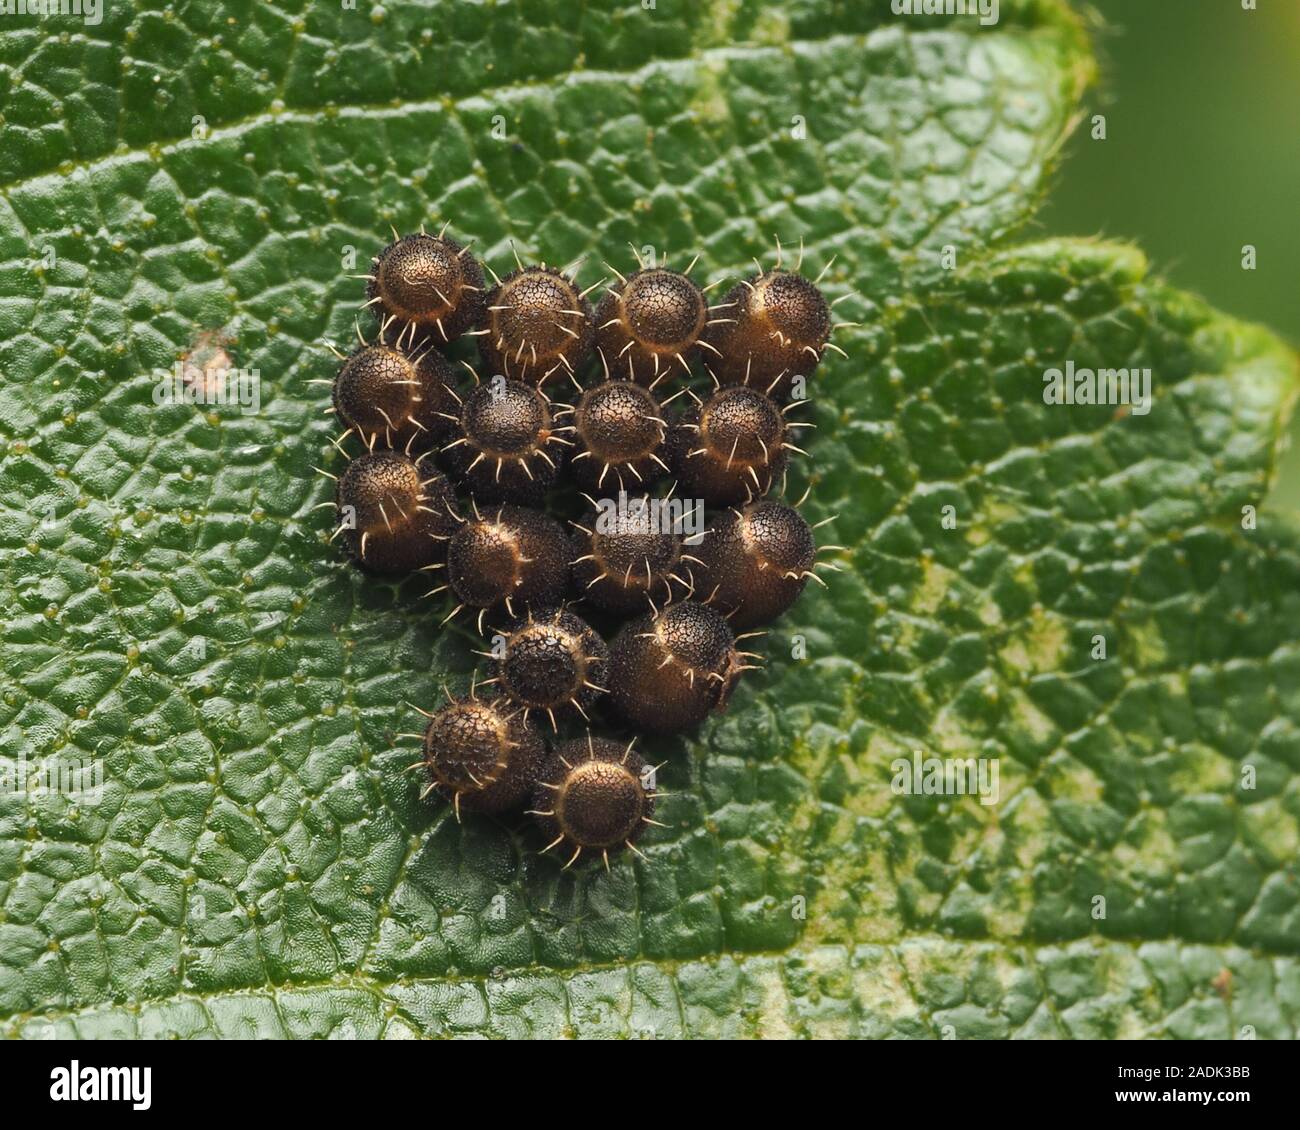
(259, 864)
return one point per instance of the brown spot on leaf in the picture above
(205, 364)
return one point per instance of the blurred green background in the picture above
(1202, 156)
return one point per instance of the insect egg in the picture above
(481, 754)
(426, 285)
(394, 513)
(551, 662)
(648, 325)
(620, 433)
(593, 795)
(756, 561)
(537, 325)
(730, 448)
(628, 557)
(776, 326)
(506, 556)
(669, 669)
(506, 448)
(392, 399)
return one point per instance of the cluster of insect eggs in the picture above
(504, 443)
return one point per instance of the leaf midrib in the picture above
(309, 115)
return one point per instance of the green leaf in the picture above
(260, 864)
